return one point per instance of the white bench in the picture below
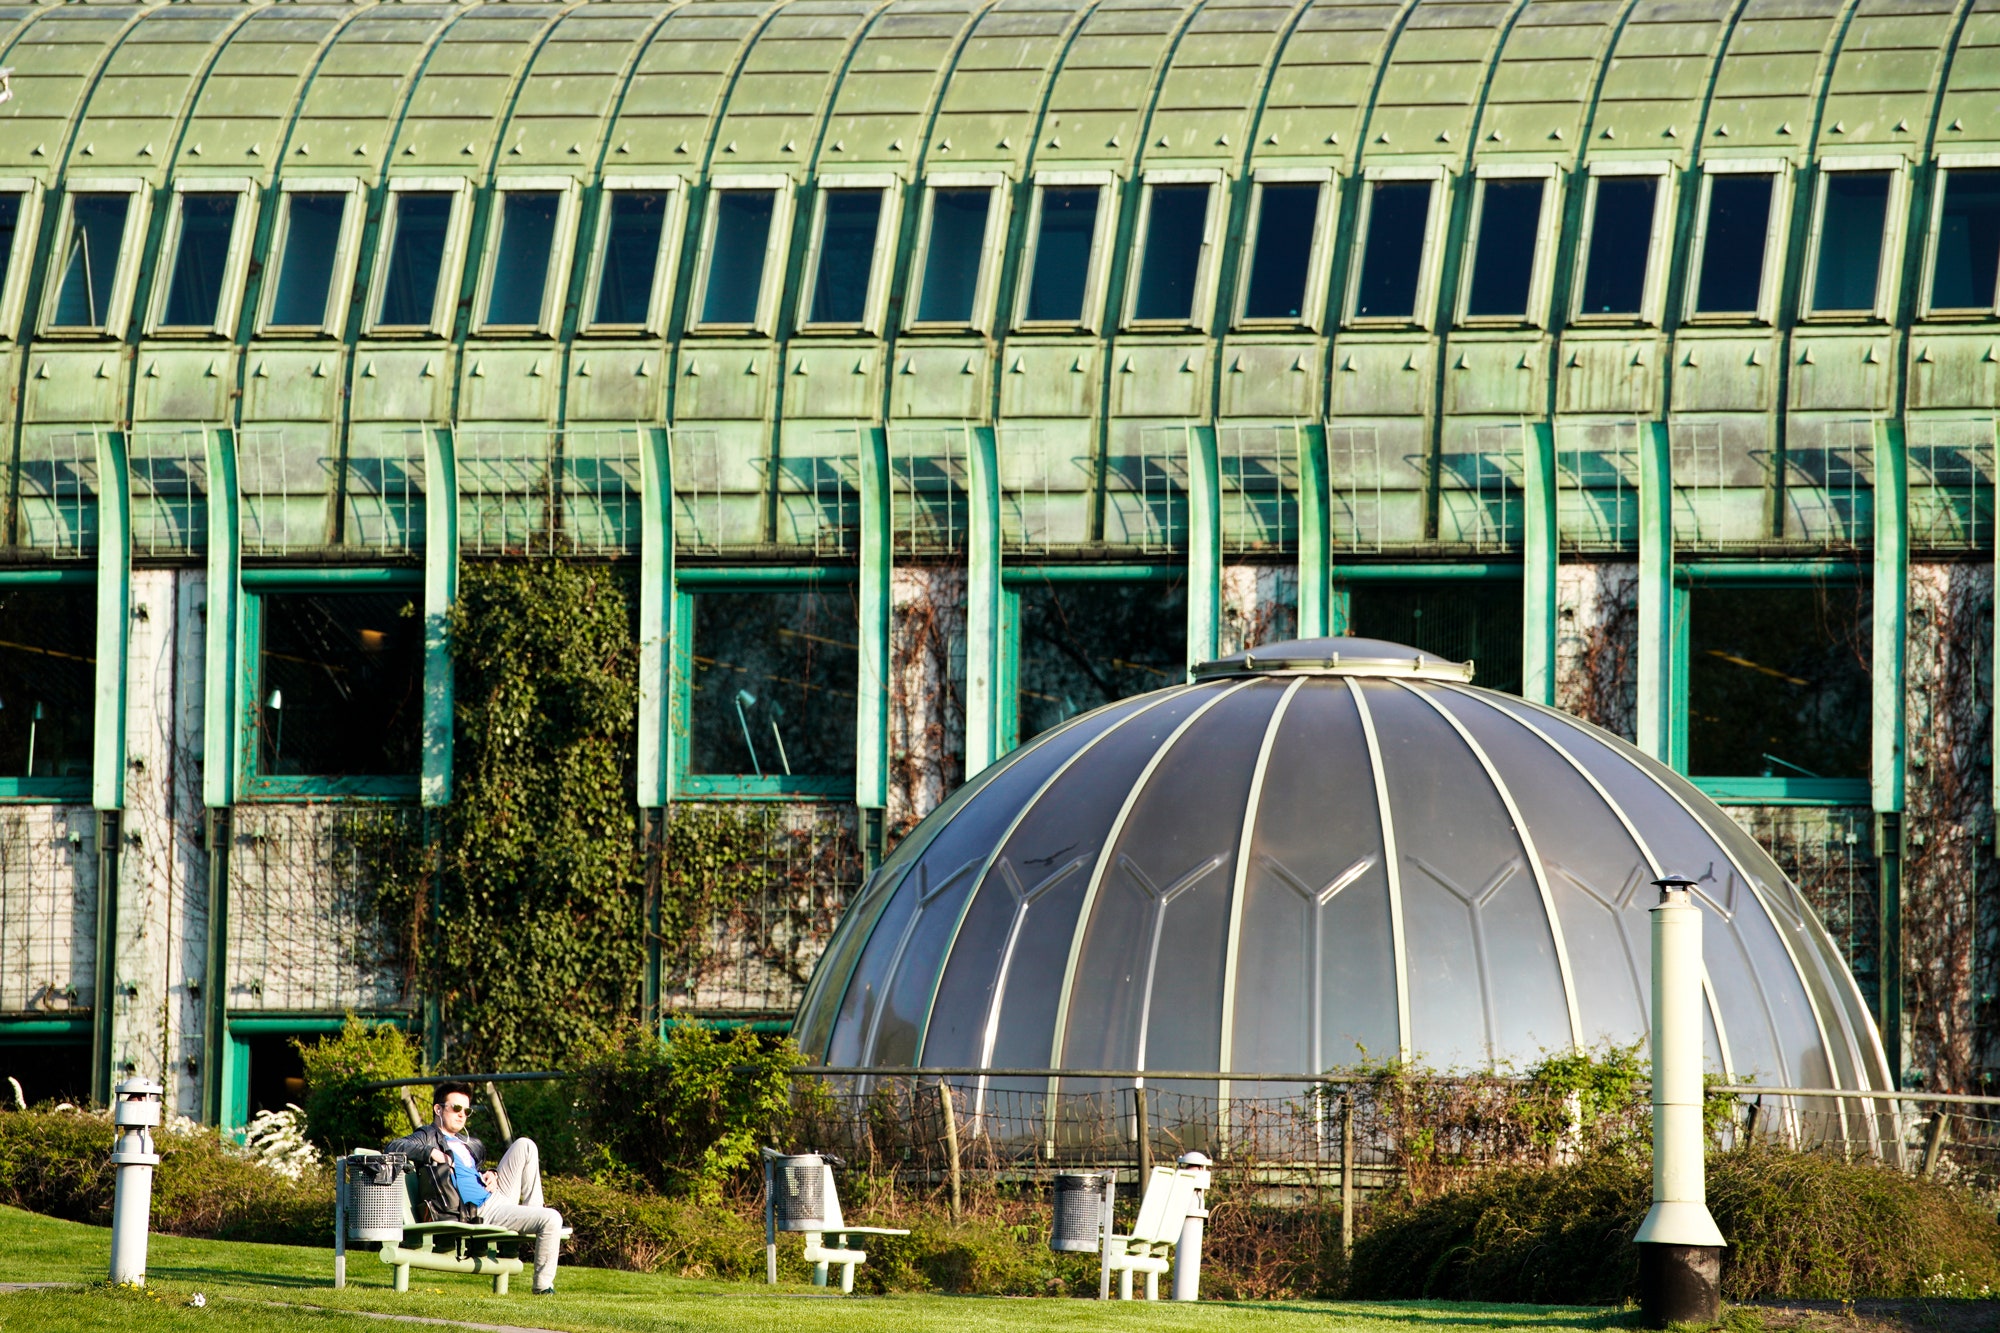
(817, 1252)
(1172, 1195)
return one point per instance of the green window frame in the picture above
(235, 1053)
(689, 583)
(1345, 578)
(1731, 790)
(258, 584)
(1012, 580)
(47, 791)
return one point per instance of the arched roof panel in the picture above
(351, 106)
(463, 92)
(772, 116)
(990, 109)
(1887, 73)
(1657, 85)
(1097, 105)
(57, 57)
(1431, 87)
(670, 105)
(1767, 88)
(1215, 80)
(1970, 111)
(893, 82)
(1320, 91)
(247, 103)
(559, 116)
(135, 111)
(1544, 84)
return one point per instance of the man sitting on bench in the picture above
(456, 1190)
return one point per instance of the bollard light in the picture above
(1680, 1248)
(135, 1112)
(1187, 1254)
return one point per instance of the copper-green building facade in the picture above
(943, 368)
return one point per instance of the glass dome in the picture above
(1316, 851)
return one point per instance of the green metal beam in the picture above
(1315, 536)
(1204, 546)
(871, 685)
(1018, 575)
(656, 601)
(983, 593)
(1766, 572)
(221, 670)
(1538, 565)
(1890, 614)
(114, 601)
(338, 576)
(1656, 592)
(750, 577)
(1415, 573)
(440, 592)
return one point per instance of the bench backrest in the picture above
(1169, 1196)
(834, 1221)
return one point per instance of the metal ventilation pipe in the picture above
(135, 1111)
(1680, 1249)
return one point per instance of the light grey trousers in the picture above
(516, 1204)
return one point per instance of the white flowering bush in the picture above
(276, 1141)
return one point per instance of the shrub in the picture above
(339, 1115)
(684, 1114)
(1800, 1226)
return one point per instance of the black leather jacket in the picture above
(438, 1186)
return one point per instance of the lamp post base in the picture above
(1679, 1284)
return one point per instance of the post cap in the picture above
(1669, 885)
(1193, 1159)
(134, 1088)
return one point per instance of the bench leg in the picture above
(1152, 1286)
(499, 1284)
(819, 1275)
(847, 1279)
(402, 1277)
(1124, 1284)
(339, 1271)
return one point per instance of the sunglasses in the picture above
(449, 1107)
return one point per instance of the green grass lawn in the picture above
(280, 1289)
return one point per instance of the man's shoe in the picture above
(542, 1291)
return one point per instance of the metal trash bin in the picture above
(1079, 1213)
(376, 1196)
(798, 1192)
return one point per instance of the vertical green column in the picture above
(1315, 535)
(220, 673)
(984, 646)
(871, 723)
(107, 762)
(1656, 591)
(1538, 563)
(655, 742)
(1204, 545)
(1891, 610)
(440, 591)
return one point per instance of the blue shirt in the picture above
(465, 1172)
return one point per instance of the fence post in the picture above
(1145, 1137)
(1750, 1121)
(950, 1141)
(1934, 1140)
(1347, 1173)
(500, 1111)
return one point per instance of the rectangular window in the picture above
(1065, 242)
(1503, 256)
(1968, 241)
(772, 685)
(1736, 234)
(340, 679)
(48, 685)
(419, 230)
(521, 263)
(1778, 681)
(10, 227)
(953, 254)
(1853, 220)
(1392, 260)
(201, 260)
(740, 241)
(850, 223)
(313, 223)
(1281, 251)
(1477, 621)
(1082, 645)
(87, 260)
(1170, 262)
(635, 228)
(1620, 254)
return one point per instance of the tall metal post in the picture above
(1315, 535)
(221, 676)
(984, 677)
(1886, 761)
(871, 681)
(655, 778)
(440, 591)
(1204, 546)
(1538, 565)
(1680, 1249)
(1656, 590)
(107, 765)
